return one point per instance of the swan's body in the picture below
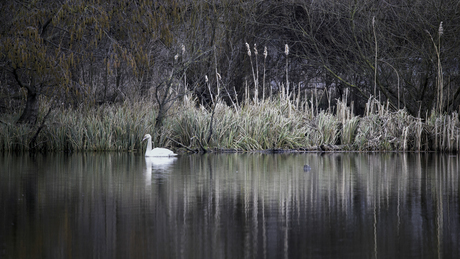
(156, 151)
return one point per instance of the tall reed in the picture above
(271, 124)
(278, 122)
(349, 122)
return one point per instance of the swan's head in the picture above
(146, 136)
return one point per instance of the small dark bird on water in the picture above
(306, 168)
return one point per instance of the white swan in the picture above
(156, 151)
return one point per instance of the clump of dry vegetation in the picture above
(273, 124)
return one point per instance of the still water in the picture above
(349, 205)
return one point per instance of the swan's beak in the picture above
(144, 139)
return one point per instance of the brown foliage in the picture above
(85, 52)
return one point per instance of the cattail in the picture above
(255, 49)
(441, 30)
(249, 49)
(206, 78)
(265, 52)
(183, 49)
(176, 57)
(286, 49)
(218, 76)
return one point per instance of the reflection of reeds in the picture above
(269, 192)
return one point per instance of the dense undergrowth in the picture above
(277, 124)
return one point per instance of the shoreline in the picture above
(269, 126)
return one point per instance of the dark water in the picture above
(230, 206)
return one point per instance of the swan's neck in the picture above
(149, 144)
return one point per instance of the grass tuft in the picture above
(274, 123)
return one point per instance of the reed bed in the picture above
(105, 128)
(271, 124)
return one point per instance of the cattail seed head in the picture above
(176, 57)
(218, 76)
(183, 49)
(440, 30)
(286, 49)
(265, 52)
(206, 78)
(255, 49)
(249, 49)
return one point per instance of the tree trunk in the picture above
(30, 112)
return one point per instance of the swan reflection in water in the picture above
(157, 168)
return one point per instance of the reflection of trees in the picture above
(234, 205)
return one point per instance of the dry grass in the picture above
(275, 123)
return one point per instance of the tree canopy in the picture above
(89, 52)
(74, 49)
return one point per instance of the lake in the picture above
(122, 205)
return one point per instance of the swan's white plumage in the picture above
(156, 151)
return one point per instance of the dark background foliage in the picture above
(94, 52)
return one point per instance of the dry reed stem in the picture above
(277, 123)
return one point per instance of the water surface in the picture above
(349, 205)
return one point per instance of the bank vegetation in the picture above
(276, 124)
(230, 75)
